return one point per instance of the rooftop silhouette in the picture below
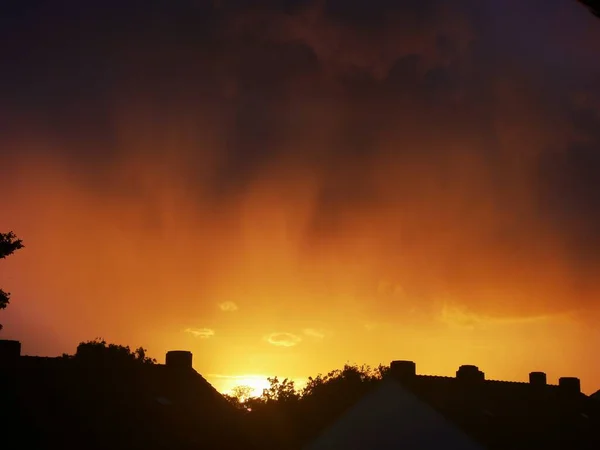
(108, 395)
(85, 401)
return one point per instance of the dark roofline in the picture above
(405, 371)
(445, 377)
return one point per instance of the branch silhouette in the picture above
(8, 245)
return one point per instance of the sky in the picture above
(282, 187)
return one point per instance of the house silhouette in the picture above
(64, 403)
(90, 403)
(466, 412)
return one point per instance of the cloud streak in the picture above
(283, 339)
(458, 317)
(313, 333)
(202, 333)
(228, 306)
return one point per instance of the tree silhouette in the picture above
(592, 5)
(99, 352)
(280, 391)
(285, 417)
(239, 396)
(8, 245)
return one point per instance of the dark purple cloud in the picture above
(475, 120)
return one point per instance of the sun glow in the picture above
(230, 384)
(246, 386)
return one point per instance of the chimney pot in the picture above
(470, 374)
(571, 385)
(403, 370)
(537, 379)
(179, 359)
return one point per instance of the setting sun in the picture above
(228, 385)
(254, 384)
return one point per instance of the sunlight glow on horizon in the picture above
(225, 384)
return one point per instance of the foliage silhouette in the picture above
(285, 417)
(239, 395)
(99, 352)
(8, 245)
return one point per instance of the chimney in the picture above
(403, 370)
(537, 379)
(570, 385)
(10, 352)
(470, 374)
(179, 359)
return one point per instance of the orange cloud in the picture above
(228, 306)
(283, 339)
(315, 334)
(456, 316)
(202, 333)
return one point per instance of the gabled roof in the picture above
(596, 395)
(497, 414)
(58, 401)
(391, 417)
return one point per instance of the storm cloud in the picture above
(325, 145)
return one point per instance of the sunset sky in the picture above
(288, 186)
